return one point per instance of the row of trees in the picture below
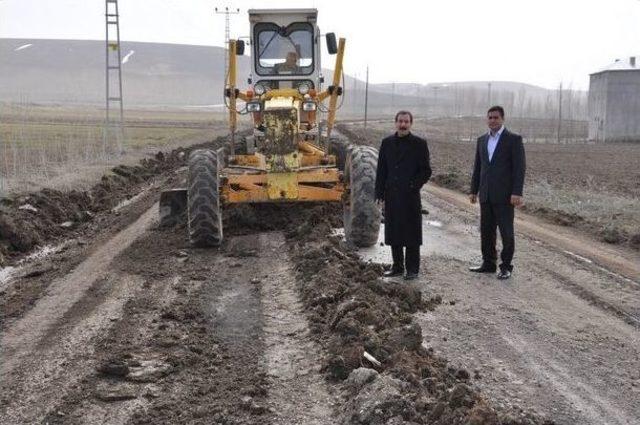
(460, 99)
(542, 115)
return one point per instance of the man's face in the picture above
(403, 124)
(494, 120)
(292, 58)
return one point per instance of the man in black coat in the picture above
(498, 179)
(403, 168)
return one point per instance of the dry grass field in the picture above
(63, 147)
(592, 187)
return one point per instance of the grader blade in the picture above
(173, 207)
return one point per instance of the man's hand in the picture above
(473, 198)
(517, 201)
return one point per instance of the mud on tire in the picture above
(204, 215)
(341, 149)
(361, 214)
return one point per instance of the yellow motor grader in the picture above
(288, 158)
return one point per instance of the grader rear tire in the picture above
(361, 214)
(203, 199)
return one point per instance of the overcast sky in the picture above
(541, 42)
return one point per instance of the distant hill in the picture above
(72, 71)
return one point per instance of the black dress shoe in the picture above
(393, 273)
(411, 276)
(484, 268)
(504, 274)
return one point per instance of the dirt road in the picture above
(561, 337)
(202, 334)
(133, 326)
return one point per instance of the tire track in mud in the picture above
(297, 393)
(141, 339)
(54, 338)
(230, 326)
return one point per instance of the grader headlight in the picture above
(259, 89)
(303, 88)
(309, 106)
(254, 107)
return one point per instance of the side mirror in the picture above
(332, 45)
(239, 47)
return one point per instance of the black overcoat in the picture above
(403, 168)
(496, 180)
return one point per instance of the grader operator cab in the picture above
(288, 158)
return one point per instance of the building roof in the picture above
(628, 64)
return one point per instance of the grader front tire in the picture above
(361, 214)
(204, 212)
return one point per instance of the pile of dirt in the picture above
(452, 179)
(360, 136)
(354, 136)
(31, 220)
(610, 233)
(372, 343)
(562, 218)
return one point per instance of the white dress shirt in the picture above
(493, 141)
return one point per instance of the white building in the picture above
(614, 102)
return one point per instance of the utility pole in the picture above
(393, 94)
(435, 99)
(227, 31)
(366, 98)
(489, 93)
(354, 97)
(559, 113)
(113, 65)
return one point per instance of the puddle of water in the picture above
(437, 239)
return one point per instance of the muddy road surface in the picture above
(562, 337)
(125, 323)
(147, 330)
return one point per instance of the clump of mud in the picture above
(372, 343)
(30, 220)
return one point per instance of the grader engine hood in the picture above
(280, 120)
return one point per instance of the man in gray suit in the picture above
(498, 180)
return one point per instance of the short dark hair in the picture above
(404, 113)
(498, 109)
